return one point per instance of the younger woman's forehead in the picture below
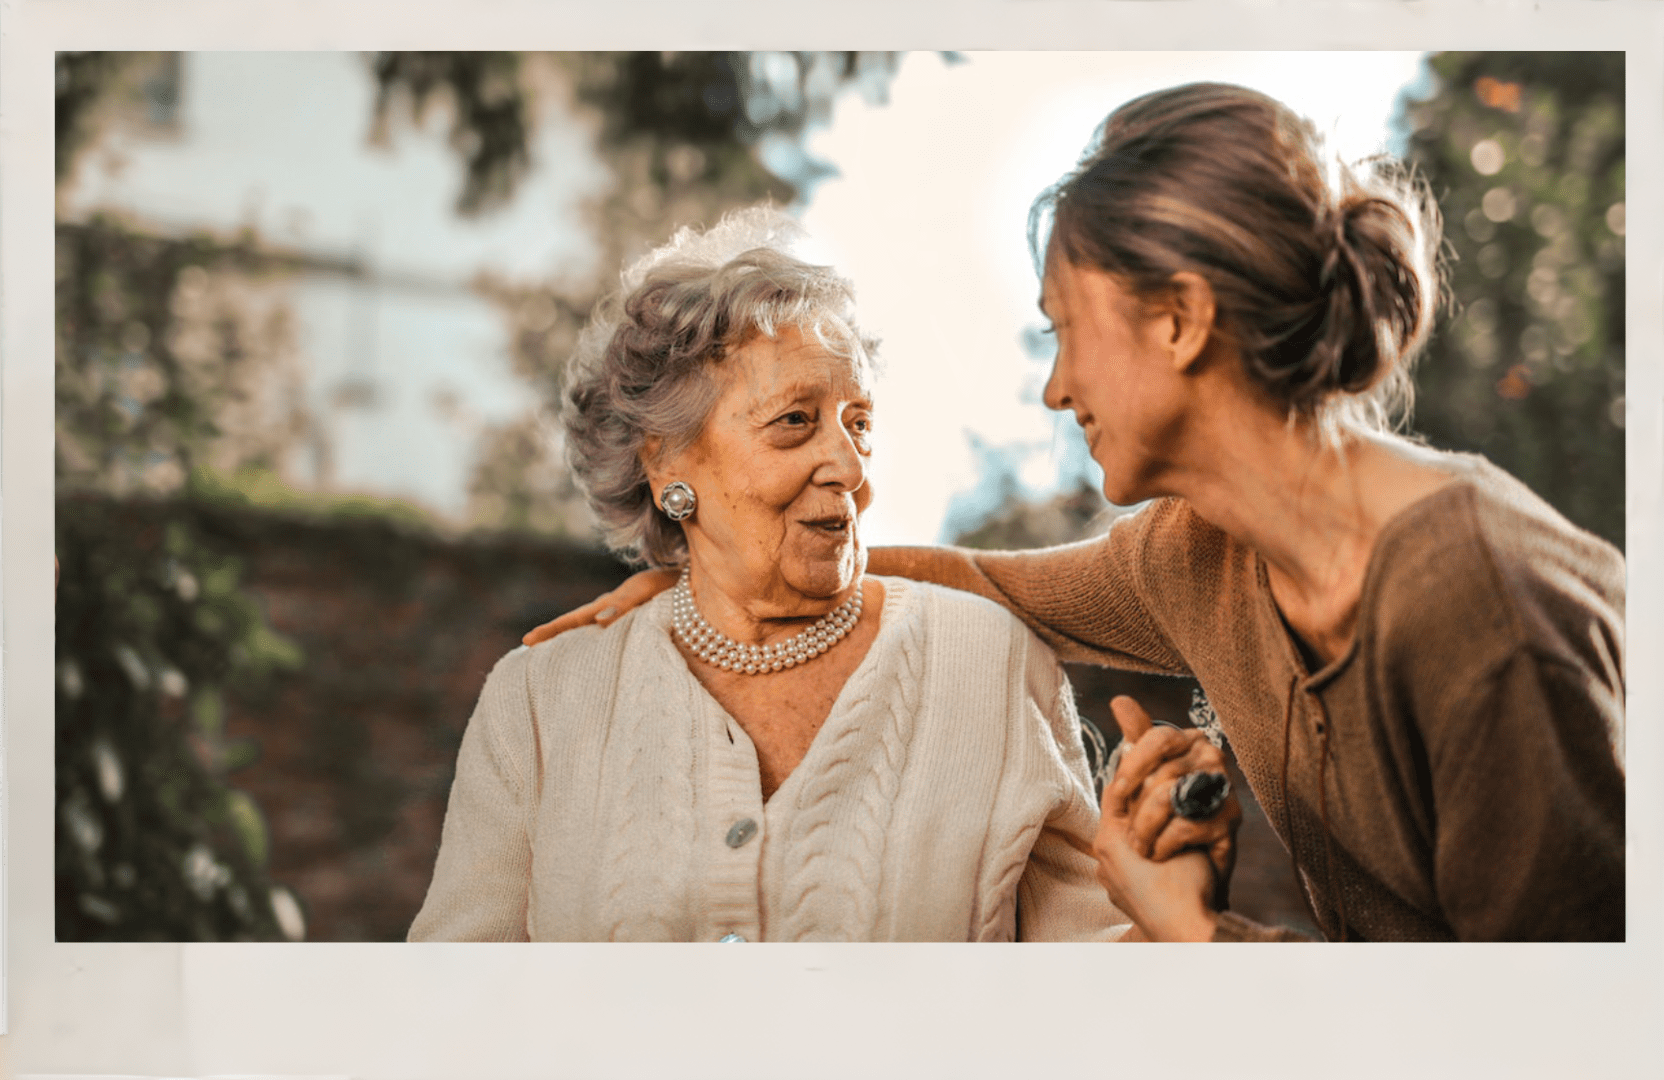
(1053, 288)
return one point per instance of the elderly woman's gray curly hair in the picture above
(645, 366)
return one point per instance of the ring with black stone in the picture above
(1199, 795)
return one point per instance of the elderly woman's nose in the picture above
(845, 465)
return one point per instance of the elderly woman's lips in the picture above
(830, 525)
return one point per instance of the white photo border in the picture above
(391, 1011)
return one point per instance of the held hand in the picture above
(634, 592)
(1167, 901)
(1155, 759)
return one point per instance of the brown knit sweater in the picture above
(1455, 774)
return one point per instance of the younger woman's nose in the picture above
(1054, 395)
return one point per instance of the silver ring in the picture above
(678, 500)
(1199, 795)
(1114, 761)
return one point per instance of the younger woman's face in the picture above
(1114, 371)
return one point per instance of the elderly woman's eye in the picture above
(795, 418)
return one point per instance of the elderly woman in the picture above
(1418, 662)
(779, 748)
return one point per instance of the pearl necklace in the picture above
(714, 647)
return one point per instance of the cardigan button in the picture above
(744, 829)
(729, 938)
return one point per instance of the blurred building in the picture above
(402, 361)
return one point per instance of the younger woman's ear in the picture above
(1189, 318)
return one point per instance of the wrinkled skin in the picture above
(780, 472)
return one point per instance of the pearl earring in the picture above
(678, 500)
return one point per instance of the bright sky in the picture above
(929, 219)
(927, 216)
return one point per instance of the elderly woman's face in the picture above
(780, 471)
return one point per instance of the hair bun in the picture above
(1375, 308)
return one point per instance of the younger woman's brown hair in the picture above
(1325, 277)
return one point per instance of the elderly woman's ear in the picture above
(652, 450)
(661, 469)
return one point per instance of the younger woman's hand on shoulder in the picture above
(604, 609)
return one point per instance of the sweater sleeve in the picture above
(482, 880)
(1059, 897)
(1529, 800)
(1082, 599)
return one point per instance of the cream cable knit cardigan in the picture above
(602, 795)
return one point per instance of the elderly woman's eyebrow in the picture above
(797, 394)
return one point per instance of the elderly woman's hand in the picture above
(1154, 760)
(634, 592)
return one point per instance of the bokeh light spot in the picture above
(1498, 94)
(1514, 385)
(1487, 157)
(1499, 204)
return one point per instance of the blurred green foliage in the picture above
(1525, 153)
(153, 631)
(94, 87)
(143, 379)
(262, 488)
(84, 83)
(153, 842)
(697, 114)
(490, 114)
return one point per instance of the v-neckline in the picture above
(895, 590)
(1326, 673)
